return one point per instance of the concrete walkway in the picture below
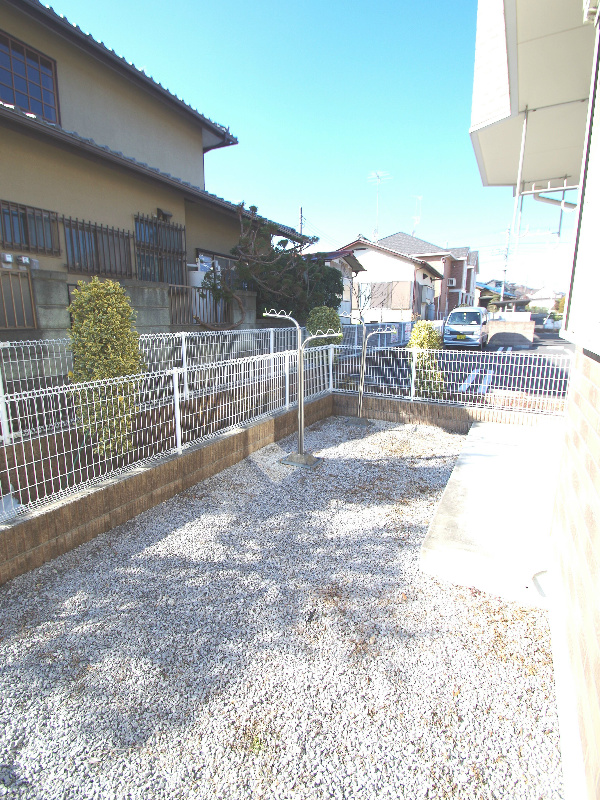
(491, 528)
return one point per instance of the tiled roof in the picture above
(409, 245)
(53, 131)
(50, 18)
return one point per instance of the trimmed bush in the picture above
(429, 380)
(105, 345)
(426, 336)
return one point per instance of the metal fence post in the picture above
(4, 423)
(177, 410)
(287, 379)
(272, 349)
(413, 372)
(331, 368)
(184, 365)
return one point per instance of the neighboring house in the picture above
(544, 298)
(492, 293)
(393, 287)
(345, 262)
(102, 173)
(457, 265)
(535, 96)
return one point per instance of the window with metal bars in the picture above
(160, 250)
(97, 249)
(31, 230)
(28, 79)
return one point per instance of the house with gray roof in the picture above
(102, 174)
(458, 265)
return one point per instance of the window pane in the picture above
(4, 59)
(48, 97)
(49, 114)
(33, 74)
(33, 59)
(46, 67)
(18, 66)
(22, 100)
(48, 82)
(7, 95)
(20, 84)
(3, 44)
(5, 77)
(36, 107)
(18, 50)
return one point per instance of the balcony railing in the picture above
(191, 305)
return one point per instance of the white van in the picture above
(466, 326)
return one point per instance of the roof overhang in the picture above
(534, 56)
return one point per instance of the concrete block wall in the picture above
(48, 532)
(453, 418)
(576, 536)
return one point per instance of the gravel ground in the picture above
(267, 634)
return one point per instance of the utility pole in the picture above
(301, 220)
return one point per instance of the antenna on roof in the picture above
(417, 216)
(376, 178)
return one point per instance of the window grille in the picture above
(28, 79)
(160, 250)
(17, 309)
(32, 230)
(97, 249)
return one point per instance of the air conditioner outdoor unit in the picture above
(451, 281)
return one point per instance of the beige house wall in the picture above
(209, 230)
(97, 102)
(46, 176)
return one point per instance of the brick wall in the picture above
(576, 535)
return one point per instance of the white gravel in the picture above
(267, 634)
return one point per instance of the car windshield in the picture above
(464, 318)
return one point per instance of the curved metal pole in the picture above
(301, 459)
(363, 362)
(283, 315)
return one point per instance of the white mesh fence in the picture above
(505, 380)
(26, 365)
(59, 439)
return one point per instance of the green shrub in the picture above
(429, 379)
(426, 336)
(323, 319)
(104, 345)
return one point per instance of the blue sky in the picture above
(321, 95)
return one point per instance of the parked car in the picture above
(466, 326)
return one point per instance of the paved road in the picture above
(548, 342)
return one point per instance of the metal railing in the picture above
(57, 440)
(17, 307)
(352, 334)
(35, 364)
(505, 380)
(191, 305)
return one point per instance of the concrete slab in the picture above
(491, 529)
